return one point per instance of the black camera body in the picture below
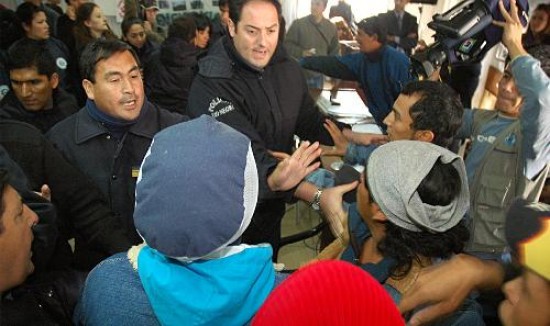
(463, 34)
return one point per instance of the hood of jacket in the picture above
(223, 291)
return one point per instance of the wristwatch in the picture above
(316, 203)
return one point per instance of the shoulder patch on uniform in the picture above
(61, 63)
(219, 107)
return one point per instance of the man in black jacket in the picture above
(250, 83)
(82, 211)
(108, 138)
(35, 97)
(29, 293)
(402, 27)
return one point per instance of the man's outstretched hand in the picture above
(292, 170)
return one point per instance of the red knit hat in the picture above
(329, 293)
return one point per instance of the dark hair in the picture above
(99, 50)
(81, 32)
(26, 11)
(183, 28)
(3, 183)
(28, 53)
(543, 37)
(439, 188)
(128, 22)
(546, 8)
(325, 2)
(10, 27)
(541, 52)
(223, 3)
(201, 21)
(84, 12)
(439, 109)
(236, 9)
(374, 25)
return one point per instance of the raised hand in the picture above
(340, 142)
(512, 29)
(292, 169)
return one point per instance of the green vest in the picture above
(497, 181)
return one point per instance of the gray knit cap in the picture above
(395, 170)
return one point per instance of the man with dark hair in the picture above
(380, 69)
(170, 71)
(509, 155)
(34, 289)
(402, 27)
(424, 110)
(524, 140)
(410, 205)
(16, 222)
(219, 25)
(250, 83)
(35, 97)
(108, 138)
(310, 36)
(343, 9)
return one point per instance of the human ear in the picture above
(88, 88)
(231, 27)
(424, 135)
(378, 215)
(54, 80)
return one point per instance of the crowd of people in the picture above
(143, 177)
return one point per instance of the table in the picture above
(351, 110)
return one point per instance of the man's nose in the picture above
(26, 89)
(388, 119)
(32, 218)
(262, 36)
(127, 86)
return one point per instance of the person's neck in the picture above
(95, 34)
(317, 18)
(404, 283)
(399, 11)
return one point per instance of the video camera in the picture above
(463, 34)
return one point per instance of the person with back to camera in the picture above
(192, 267)
(169, 73)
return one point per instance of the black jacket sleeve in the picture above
(79, 203)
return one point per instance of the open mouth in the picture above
(129, 103)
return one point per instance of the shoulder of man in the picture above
(166, 118)
(65, 130)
